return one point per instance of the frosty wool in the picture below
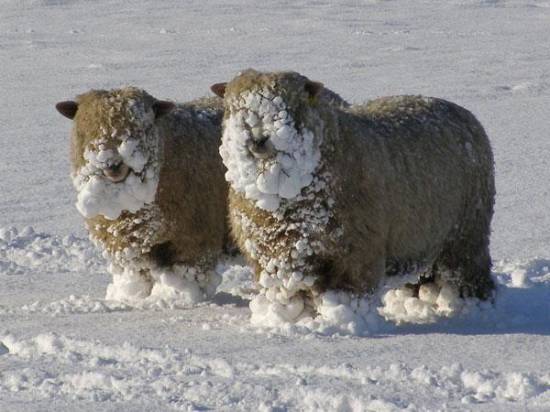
(325, 197)
(150, 185)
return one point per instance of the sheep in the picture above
(151, 188)
(328, 198)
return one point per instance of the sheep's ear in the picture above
(67, 108)
(162, 108)
(218, 89)
(313, 88)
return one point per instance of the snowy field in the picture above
(64, 348)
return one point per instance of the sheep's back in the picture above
(192, 190)
(415, 171)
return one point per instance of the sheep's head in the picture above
(115, 149)
(272, 135)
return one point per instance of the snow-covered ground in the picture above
(64, 347)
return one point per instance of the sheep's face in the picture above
(115, 152)
(270, 143)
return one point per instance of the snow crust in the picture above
(185, 381)
(103, 368)
(97, 195)
(24, 250)
(258, 115)
(75, 305)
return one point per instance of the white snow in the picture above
(64, 347)
(211, 356)
(112, 374)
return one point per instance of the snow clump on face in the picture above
(292, 156)
(136, 149)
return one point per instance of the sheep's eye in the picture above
(117, 172)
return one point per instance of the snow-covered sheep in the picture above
(332, 198)
(150, 187)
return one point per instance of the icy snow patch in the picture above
(132, 155)
(259, 116)
(519, 278)
(335, 313)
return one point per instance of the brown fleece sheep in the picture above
(326, 197)
(149, 178)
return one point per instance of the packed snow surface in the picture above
(206, 356)
(63, 346)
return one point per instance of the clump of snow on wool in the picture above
(97, 195)
(129, 284)
(435, 300)
(339, 312)
(279, 299)
(256, 116)
(184, 284)
(177, 286)
(336, 312)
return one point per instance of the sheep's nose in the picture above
(117, 172)
(261, 149)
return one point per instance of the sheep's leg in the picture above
(163, 254)
(467, 263)
(357, 274)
